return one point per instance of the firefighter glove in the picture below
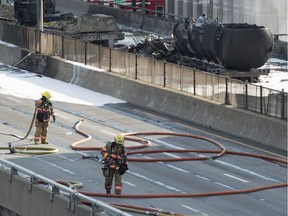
(54, 118)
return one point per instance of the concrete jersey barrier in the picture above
(248, 125)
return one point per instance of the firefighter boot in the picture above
(44, 142)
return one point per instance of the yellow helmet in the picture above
(119, 139)
(46, 94)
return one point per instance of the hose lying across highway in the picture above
(143, 144)
(217, 153)
(25, 149)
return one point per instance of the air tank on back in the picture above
(238, 46)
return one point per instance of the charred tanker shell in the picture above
(244, 46)
(236, 46)
(182, 35)
(208, 40)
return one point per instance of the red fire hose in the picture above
(145, 143)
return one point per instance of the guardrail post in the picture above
(95, 210)
(194, 81)
(261, 99)
(282, 104)
(246, 94)
(33, 180)
(164, 75)
(62, 47)
(136, 67)
(55, 190)
(99, 56)
(110, 60)
(14, 171)
(74, 200)
(227, 100)
(85, 54)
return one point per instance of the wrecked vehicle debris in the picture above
(238, 46)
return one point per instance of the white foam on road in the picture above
(24, 84)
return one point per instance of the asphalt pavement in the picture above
(196, 187)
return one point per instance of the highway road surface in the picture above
(221, 176)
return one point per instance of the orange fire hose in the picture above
(217, 193)
(216, 154)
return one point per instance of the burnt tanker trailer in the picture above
(234, 46)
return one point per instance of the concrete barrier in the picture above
(19, 196)
(245, 124)
(13, 55)
(25, 193)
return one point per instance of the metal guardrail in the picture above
(57, 187)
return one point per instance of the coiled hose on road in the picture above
(143, 144)
(24, 149)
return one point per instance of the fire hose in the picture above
(28, 132)
(36, 150)
(145, 143)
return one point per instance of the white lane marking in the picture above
(107, 132)
(156, 182)
(14, 99)
(129, 183)
(177, 168)
(172, 155)
(171, 166)
(165, 143)
(222, 162)
(65, 158)
(223, 185)
(62, 116)
(218, 183)
(202, 177)
(246, 171)
(234, 177)
(192, 209)
(54, 165)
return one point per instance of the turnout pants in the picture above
(109, 180)
(41, 131)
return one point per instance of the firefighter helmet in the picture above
(46, 94)
(119, 139)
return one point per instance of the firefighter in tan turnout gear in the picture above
(44, 110)
(115, 164)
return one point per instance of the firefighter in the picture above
(44, 110)
(115, 164)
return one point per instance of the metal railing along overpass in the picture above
(74, 199)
